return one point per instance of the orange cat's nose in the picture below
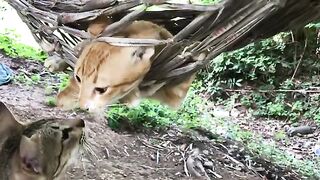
(89, 106)
(83, 105)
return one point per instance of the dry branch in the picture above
(200, 31)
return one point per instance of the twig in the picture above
(132, 41)
(107, 152)
(183, 154)
(302, 91)
(150, 146)
(215, 174)
(235, 161)
(117, 26)
(184, 163)
(125, 150)
(301, 57)
(172, 151)
(158, 156)
(295, 46)
(148, 167)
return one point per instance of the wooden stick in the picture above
(124, 22)
(132, 41)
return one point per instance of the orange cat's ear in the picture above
(29, 154)
(97, 25)
(7, 121)
(143, 53)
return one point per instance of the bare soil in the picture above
(169, 154)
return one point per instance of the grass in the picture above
(11, 47)
(152, 114)
(23, 78)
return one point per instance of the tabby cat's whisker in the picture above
(116, 105)
(87, 149)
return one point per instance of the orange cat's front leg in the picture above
(132, 99)
(68, 98)
(173, 95)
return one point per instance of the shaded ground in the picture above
(132, 155)
(276, 132)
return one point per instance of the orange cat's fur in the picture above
(105, 74)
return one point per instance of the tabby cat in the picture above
(41, 150)
(105, 73)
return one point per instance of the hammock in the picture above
(201, 32)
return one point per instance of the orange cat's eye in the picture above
(101, 90)
(78, 79)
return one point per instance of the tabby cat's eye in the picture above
(78, 79)
(101, 90)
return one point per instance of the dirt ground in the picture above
(170, 154)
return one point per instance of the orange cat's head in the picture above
(106, 73)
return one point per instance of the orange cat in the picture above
(105, 74)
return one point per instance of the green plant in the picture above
(280, 135)
(148, 114)
(11, 47)
(28, 79)
(63, 80)
(51, 101)
(152, 114)
(258, 60)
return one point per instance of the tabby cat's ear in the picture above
(29, 154)
(144, 53)
(7, 121)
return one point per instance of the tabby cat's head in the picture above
(107, 73)
(41, 149)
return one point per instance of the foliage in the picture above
(258, 60)
(266, 66)
(63, 80)
(267, 62)
(27, 79)
(282, 105)
(51, 101)
(152, 114)
(11, 47)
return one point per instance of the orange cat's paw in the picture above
(55, 63)
(152, 89)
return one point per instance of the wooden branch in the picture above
(76, 32)
(301, 91)
(198, 21)
(193, 7)
(131, 41)
(72, 5)
(124, 22)
(57, 25)
(97, 4)
(65, 18)
(123, 6)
